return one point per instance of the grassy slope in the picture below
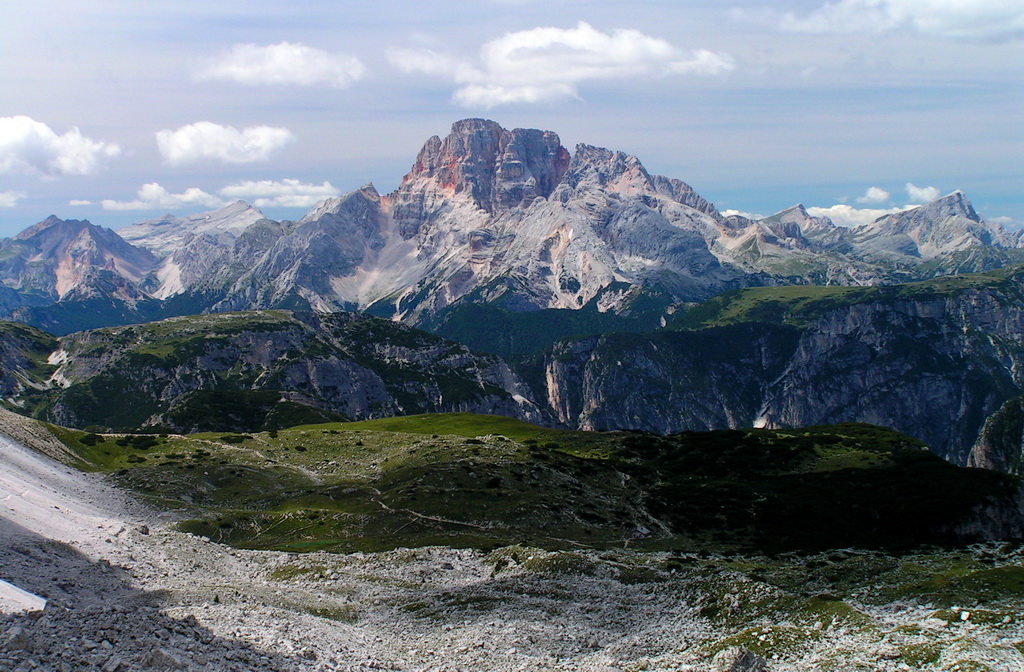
(29, 347)
(23, 363)
(485, 482)
(467, 425)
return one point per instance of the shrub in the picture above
(235, 438)
(91, 439)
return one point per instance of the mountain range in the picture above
(485, 216)
(610, 298)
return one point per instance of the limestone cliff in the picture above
(1000, 445)
(932, 360)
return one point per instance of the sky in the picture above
(118, 111)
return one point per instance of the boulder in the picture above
(738, 659)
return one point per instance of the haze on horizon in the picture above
(118, 112)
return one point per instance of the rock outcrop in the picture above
(239, 371)
(1000, 445)
(738, 659)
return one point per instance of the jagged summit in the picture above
(497, 168)
(332, 205)
(614, 171)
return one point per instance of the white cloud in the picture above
(79, 201)
(986, 19)
(546, 64)
(427, 61)
(740, 213)
(9, 199)
(703, 63)
(287, 193)
(285, 64)
(922, 194)
(492, 95)
(875, 195)
(30, 147)
(847, 215)
(205, 140)
(154, 197)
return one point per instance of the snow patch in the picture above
(14, 600)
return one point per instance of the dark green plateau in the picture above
(484, 482)
(799, 305)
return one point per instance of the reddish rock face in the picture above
(499, 169)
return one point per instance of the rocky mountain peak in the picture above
(234, 216)
(330, 206)
(955, 204)
(166, 234)
(681, 192)
(944, 226)
(56, 258)
(52, 225)
(610, 170)
(497, 168)
(56, 236)
(795, 219)
(797, 216)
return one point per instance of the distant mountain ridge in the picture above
(164, 235)
(57, 258)
(488, 216)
